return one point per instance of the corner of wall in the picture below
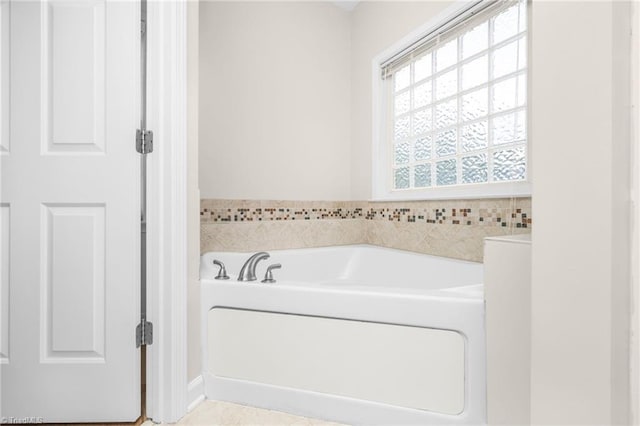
(193, 193)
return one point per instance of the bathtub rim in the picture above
(346, 247)
(353, 251)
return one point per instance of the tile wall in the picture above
(452, 228)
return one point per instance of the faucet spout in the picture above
(248, 271)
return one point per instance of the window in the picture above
(456, 106)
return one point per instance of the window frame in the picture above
(382, 171)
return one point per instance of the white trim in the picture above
(167, 204)
(195, 393)
(381, 173)
(458, 192)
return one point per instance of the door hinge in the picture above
(144, 141)
(144, 334)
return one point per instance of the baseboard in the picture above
(195, 393)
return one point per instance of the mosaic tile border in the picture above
(454, 216)
(507, 212)
(281, 213)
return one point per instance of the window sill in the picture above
(458, 192)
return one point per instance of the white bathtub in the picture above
(354, 334)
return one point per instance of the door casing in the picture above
(167, 210)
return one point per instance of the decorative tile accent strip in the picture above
(213, 211)
(512, 213)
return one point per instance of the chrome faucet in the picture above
(248, 271)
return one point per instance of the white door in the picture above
(70, 210)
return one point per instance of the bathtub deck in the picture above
(218, 413)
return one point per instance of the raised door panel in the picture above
(73, 61)
(5, 240)
(73, 283)
(5, 12)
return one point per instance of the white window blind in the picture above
(458, 103)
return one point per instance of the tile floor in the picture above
(217, 413)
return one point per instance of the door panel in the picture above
(5, 217)
(70, 205)
(73, 256)
(73, 76)
(5, 10)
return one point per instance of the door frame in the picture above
(166, 378)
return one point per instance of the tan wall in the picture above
(274, 100)
(635, 219)
(291, 117)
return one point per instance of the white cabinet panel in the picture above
(413, 367)
(507, 284)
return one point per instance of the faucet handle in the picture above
(268, 276)
(222, 272)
